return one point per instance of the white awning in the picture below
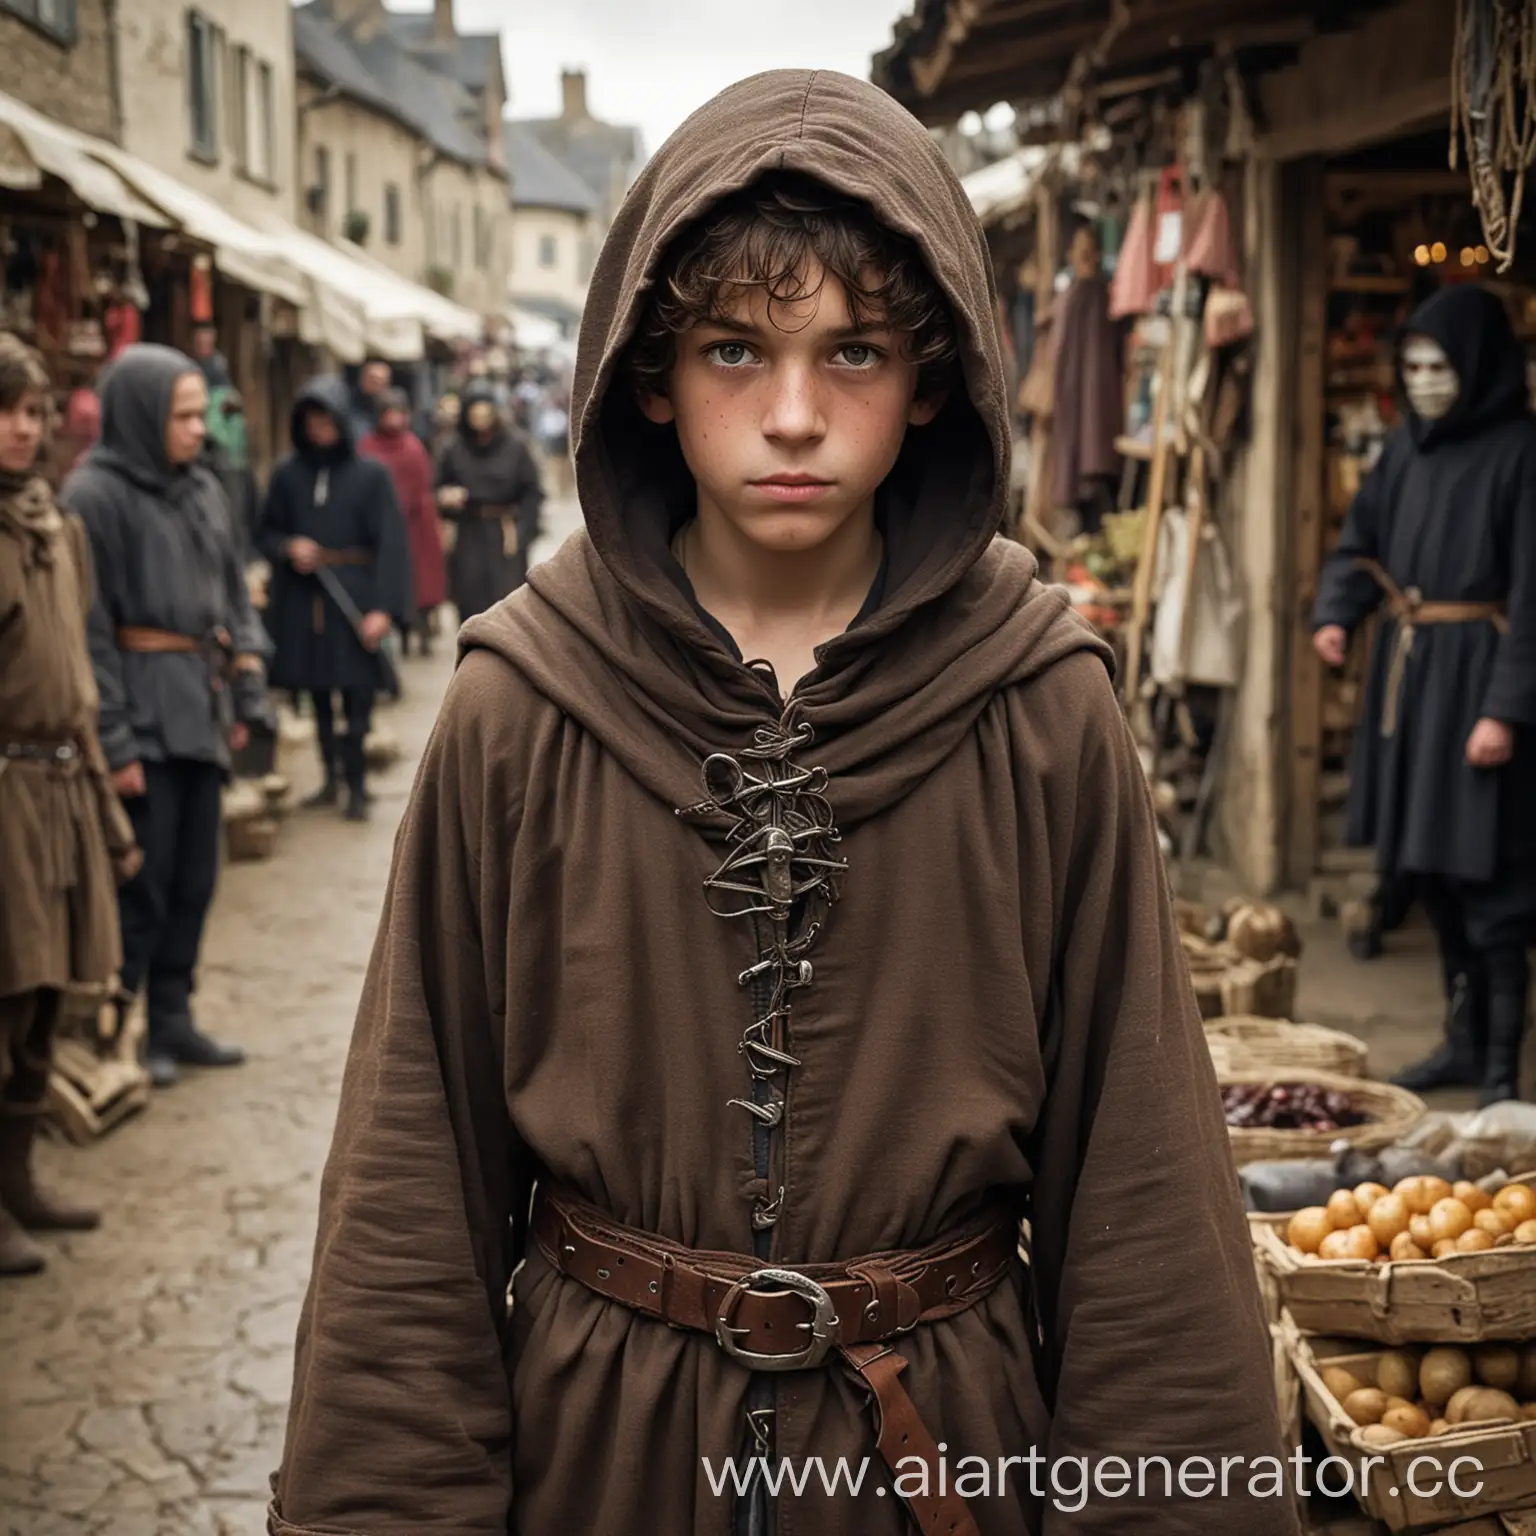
(245, 254)
(1005, 186)
(533, 333)
(443, 319)
(32, 146)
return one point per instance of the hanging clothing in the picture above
(1089, 391)
(1449, 512)
(346, 504)
(1133, 288)
(553, 999)
(493, 530)
(410, 468)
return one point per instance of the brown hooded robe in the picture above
(1000, 1012)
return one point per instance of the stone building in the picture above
(554, 231)
(57, 57)
(394, 148)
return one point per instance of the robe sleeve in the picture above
(401, 1416)
(1346, 595)
(276, 526)
(1153, 1341)
(391, 551)
(94, 506)
(1511, 695)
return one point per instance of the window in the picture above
(203, 85)
(320, 193)
(391, 213)
(351, 183)
(55, 17)
(547, 251)
(250, 115)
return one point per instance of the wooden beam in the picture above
(1307, 205)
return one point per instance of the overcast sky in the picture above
(651, 62)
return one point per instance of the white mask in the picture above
(1429, 380)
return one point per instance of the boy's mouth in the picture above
(792, 487)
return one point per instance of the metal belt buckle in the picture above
(64, 752)
(820, 1327)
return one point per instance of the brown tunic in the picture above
(61, 824)
(1000, 1011)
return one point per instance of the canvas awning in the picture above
(442, 318)
(533, 333)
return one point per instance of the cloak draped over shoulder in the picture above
(1000, 1013)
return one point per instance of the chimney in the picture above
(361, 18)
(573, 95)
(442, 23)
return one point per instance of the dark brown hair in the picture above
(774, 235)
(21, 373)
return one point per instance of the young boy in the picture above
(780, 907)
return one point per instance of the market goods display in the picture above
(1289, 1107)
(1245, 1043)
(1419, 1393)
(1422, 1218)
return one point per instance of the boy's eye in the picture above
(858, 355)
(729, 354)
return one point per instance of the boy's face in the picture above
(790, 421)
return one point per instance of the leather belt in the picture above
(39, 751)
(145, 641)
(489, 510)
(355, 556)
(770, 1318)
(1410, 609)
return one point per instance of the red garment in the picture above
(409, 467)
(82, 422)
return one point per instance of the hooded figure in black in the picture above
(1442, 538)
(329, 507)
(489, 494)
(178, 654)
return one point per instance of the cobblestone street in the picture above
(146, 1374)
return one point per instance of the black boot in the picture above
(355, 760)
(1506, 1035)
(20, 1195)
(328, 794)
(19, 1255)
(178, 1038)
(1458, 1063)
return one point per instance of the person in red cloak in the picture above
(401, 452)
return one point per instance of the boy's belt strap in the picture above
(1410, 610)
(784, 1319)
(159, 642)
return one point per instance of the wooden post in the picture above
(1194, 528)
(1306, 711)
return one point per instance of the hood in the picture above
(477, 390)
(136, 395)
(1472, 327)
(606, 629)
(330, 394)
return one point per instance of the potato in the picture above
(1497, 1365)
(1485, 1404)
(1471, 1196)
(1449, 1218)
(1407, 1420)
(1342, 1210)
(1360, 1243)
(1526, 1232)
(1527, 1383)
(1444, 1248)
(1404, 1248)
(1367, 1194)
(1474, 1240)
(1415, 1196)
(1366, 1405)
(1418, 1230)
(1308, 1227)
(1397, 1374)
(1507, 1241)
(1443, 1372)
(1388, 1219)
(1494, 1223)
(1438, 1426)
(1334, 1246)
(1458, 1402)
(1517, 1201)
(1381, 1435)
(1436, 1189)
(1340, 1382)
(1528, 1410)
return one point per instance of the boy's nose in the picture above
(794, 412)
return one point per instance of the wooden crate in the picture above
(1464, 1299)
(1504, 1452)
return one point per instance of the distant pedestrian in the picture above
(210, 361)
(401, 452)
(178, 654)
(329, 508)
(373, 379)
(490, 494)
(58, 915)
(227, 453)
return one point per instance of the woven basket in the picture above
(1391, 1113)
(1245, 1043)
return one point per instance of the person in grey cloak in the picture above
(329, 507)
(179, 661)
(489, 493)
(1442, 537)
